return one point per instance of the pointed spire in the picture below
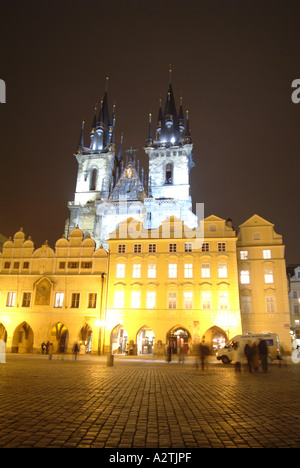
(159, 119)
(187, 137)
(150, 137)
(81, 139)
(180, 117)
(120, 154)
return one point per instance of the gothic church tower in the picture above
(95, 169)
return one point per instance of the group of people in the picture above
(255, 353)
(180, 351)
(47, 348)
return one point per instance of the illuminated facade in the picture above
(137, 270)
(294, 300)
(51, 295)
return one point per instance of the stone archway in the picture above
(177, 338)
(59, 338)
(215, 337)
(22, 339)
(119, 338)
(3, 333)
(145, 340)
(85, 337)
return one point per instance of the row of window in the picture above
(246, 304)
(172, 300)
(266, 254)
(172, 247)
(61, 265)
(245, 277)
(205, 301)
(58, 300)
(188, 270)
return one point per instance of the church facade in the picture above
(137, 270)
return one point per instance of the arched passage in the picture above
(85, 337)
(22, 339)
(145, 340)
(59, 337)
(215, 338)
(119, 338)
(3, 333)
(178, 338)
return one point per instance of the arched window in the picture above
(93, 179)
(169, 173)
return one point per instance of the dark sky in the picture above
(233, 63)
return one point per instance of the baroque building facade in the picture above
(137, 270)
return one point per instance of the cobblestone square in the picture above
(63, 403)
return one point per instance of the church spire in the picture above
(81, 139)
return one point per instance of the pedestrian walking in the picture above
(43, 347)
(263, 354)
(50, 350)
(249, 355)
(255, 357)
(204, 352)
(76, 350)
(237, 356)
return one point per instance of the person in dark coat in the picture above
(263, 354)
(249, 356)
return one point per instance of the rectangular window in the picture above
(121, 248)
(26, 299)
(269, 276)
(86, 265)
(267, 253)
(188, 300)
(120, 270)
(245, 277)
(206, 300)
(244, 255)
(136, 270)
(270, 305)
(221, 246)
(7, 265)
(151, 297)
(25, 265)
(223, 300)
(92, 300)
(172, 300)
(137, 248)
(59, 299)
(188, 247)
(188, 270)
(205, 247)
(205, 270)
(246, 305)
(222, 270)
(172, 270)
(172, 247)
(10, 300)
(135, 299)
(119, 298)
(62, 265)
(75, 300)
(152, 270)
(73, 265)
(152, 248)
(16, 265)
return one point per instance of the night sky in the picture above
(233, 63)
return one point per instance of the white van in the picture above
(226, 354)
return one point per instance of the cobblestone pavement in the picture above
(145, 404)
